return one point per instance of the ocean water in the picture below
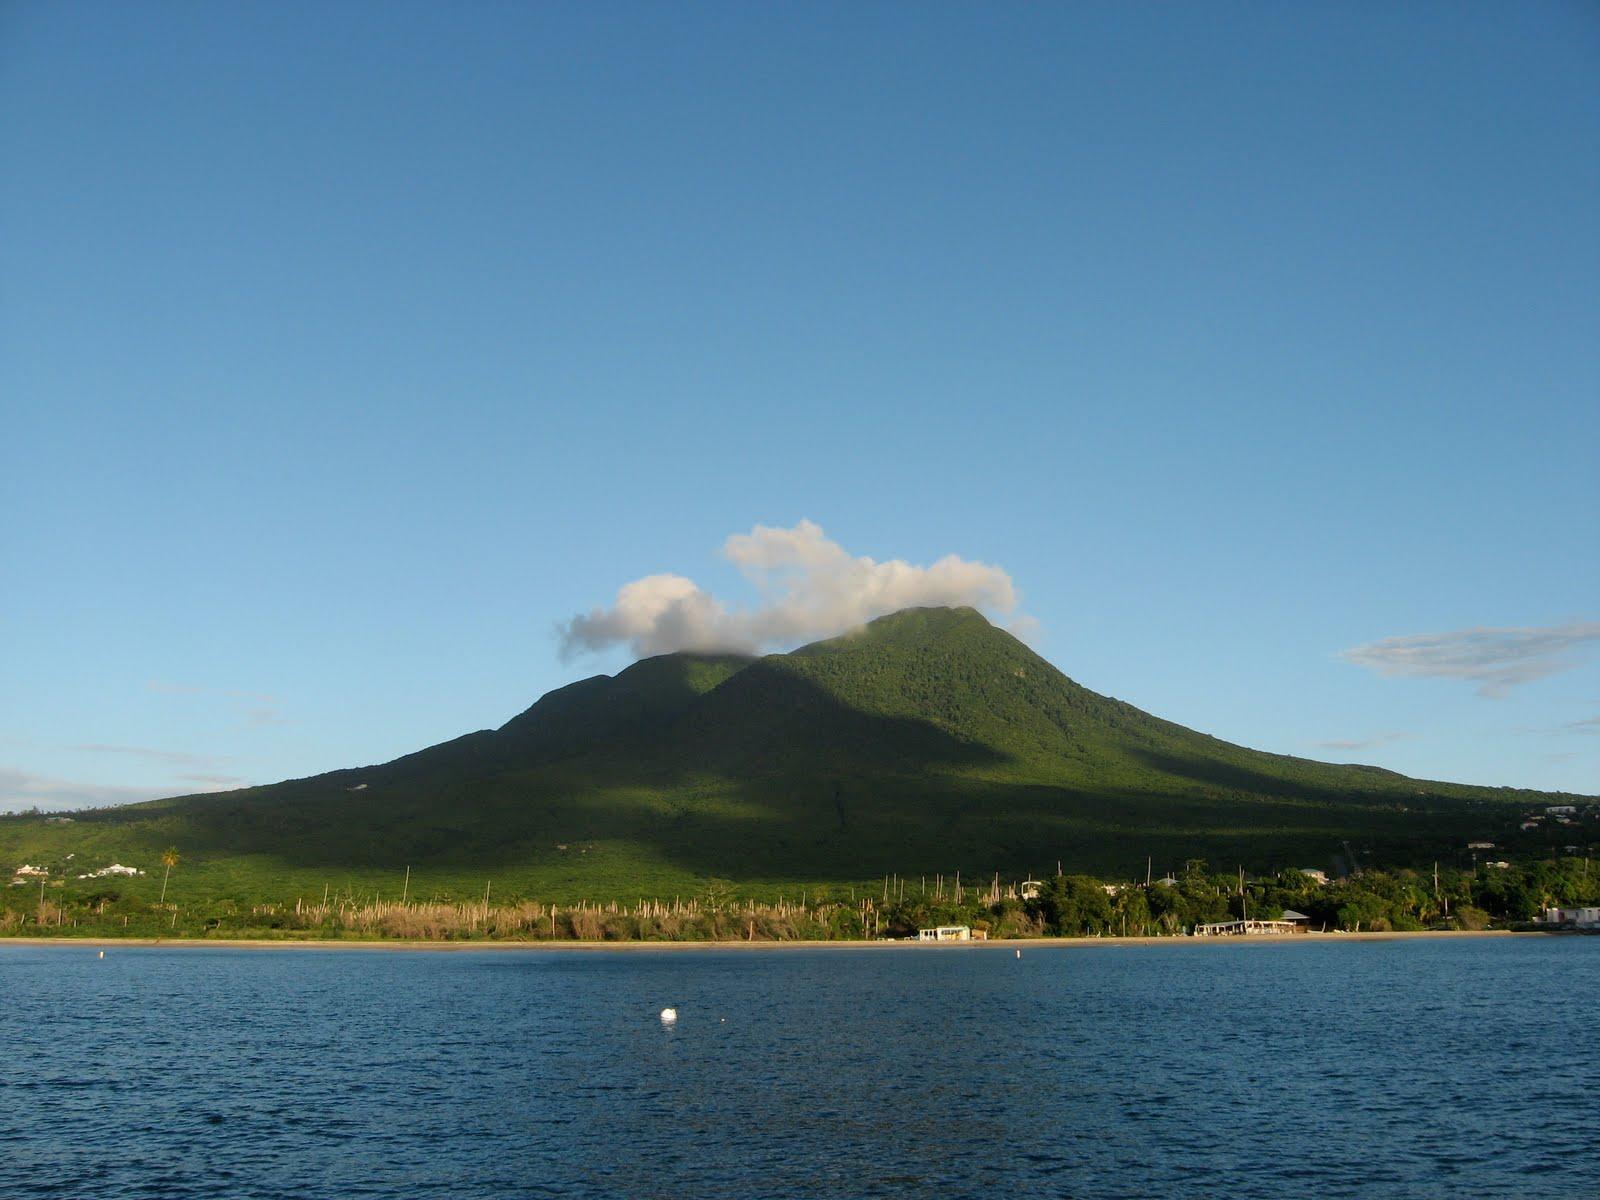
(1370, 1068)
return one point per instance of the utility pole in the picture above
(406, 890)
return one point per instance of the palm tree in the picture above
(169, 859)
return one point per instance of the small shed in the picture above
(1299, 920)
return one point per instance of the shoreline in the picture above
(1057, 943)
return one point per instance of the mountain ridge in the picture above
(927, 740)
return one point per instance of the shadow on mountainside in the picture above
(698, 787)
(766, 775)
(1297, 779)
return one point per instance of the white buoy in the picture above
(102, 954)
(668, 1015)
(1019, 953)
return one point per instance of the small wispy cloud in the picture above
(258, 708)
(1377, 739)
(171, 758)
(1494, 659)
(22, 790)
(1587, 725)
(809, 587)
(166, 687)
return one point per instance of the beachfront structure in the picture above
(1248, 928)
(945, 933)
(1298, 919)
(1572, 918)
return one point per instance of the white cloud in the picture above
(1494, 659)
(20, 790)
(174, 758)
(810, 587)
(257, 708)
(1377, 739)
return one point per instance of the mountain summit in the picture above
(927, 741)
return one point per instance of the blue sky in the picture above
(348, 351)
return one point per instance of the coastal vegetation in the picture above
(895, 907)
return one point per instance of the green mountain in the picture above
(930, 741)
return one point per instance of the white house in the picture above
(946, 933)
(1572, 918)
(113, 869)
(1247, 928)
(1320, 878)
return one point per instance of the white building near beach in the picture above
(1572, 918)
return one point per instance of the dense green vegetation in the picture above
(929, 742)
(1064, 905)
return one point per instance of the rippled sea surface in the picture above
(1382, 1068)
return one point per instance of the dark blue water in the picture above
(1416, 1068)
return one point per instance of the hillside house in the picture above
(113, 869)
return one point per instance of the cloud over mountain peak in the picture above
(809, 586)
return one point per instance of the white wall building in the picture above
(1574, 918)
